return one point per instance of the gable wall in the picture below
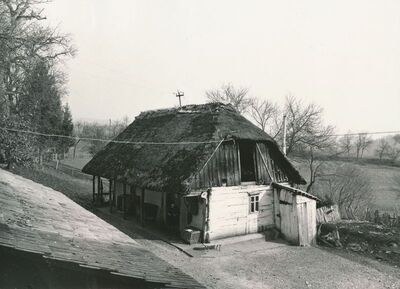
(225, 165)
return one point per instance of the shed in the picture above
(297, 214)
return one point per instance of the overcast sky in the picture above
(342, 55)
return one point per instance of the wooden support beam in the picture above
(114, 194)
(124, 200)
(94, 188)
(265, 163)
(110, 194)
(99, 192)
(142, 208)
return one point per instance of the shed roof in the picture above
(40, 220)
(171, 145)
(295, 191)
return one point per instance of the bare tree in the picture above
(26, 42)
(383, 148)
(396, 139)
(306, 135)
(350, 189)
(346, 143)
(237, 97)
(315, 167)
(263, 111)
(23, 41)
(305, 127)
(393, 153)
(362, 143)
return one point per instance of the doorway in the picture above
(247, 151)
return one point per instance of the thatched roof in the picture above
(169, 167)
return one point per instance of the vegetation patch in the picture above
(372, 240)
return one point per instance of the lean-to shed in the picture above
(203, 167)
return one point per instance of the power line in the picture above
(366, 133)
(164, 143)
(109, 140)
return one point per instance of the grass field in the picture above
(77, 189)
(385, 181)
(78, 163)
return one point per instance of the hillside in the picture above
(385, 181)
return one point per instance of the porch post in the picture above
(94, 188)
(110, 194)
(142, 208)
(124, 200)
(99, 193)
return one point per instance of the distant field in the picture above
(385, 181)
(78, 163)
(387, 190)
(77, 189)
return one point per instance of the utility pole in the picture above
(284, 135)
(179, 94)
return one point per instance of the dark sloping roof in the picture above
(42, 221)
(168, 166)
(296, 191)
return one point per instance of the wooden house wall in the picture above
(224, 167)
(263, 156)
(150, 197)
(197, 221)
(229, 211)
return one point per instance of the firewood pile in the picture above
(328, 235)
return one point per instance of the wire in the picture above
(374, 132)
(163, 143)
(109, 140)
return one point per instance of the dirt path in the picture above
(259, 264)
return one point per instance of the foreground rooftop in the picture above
(39, 220)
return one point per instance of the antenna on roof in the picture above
(179, 94)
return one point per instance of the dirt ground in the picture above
(251, 264)
(260, 264)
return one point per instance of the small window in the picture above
(254, 203)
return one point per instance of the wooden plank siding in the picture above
(224, 167)
(297, 218)
(230, 215)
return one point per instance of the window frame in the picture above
(254, 204)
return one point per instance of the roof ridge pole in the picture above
(284, 135)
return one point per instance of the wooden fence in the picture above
(69, 170)
(328, 214)
(333, 213)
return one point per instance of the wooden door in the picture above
(303, 224)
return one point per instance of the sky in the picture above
(133, 55)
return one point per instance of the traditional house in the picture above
(207, 168)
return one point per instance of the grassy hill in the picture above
(384, 179)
